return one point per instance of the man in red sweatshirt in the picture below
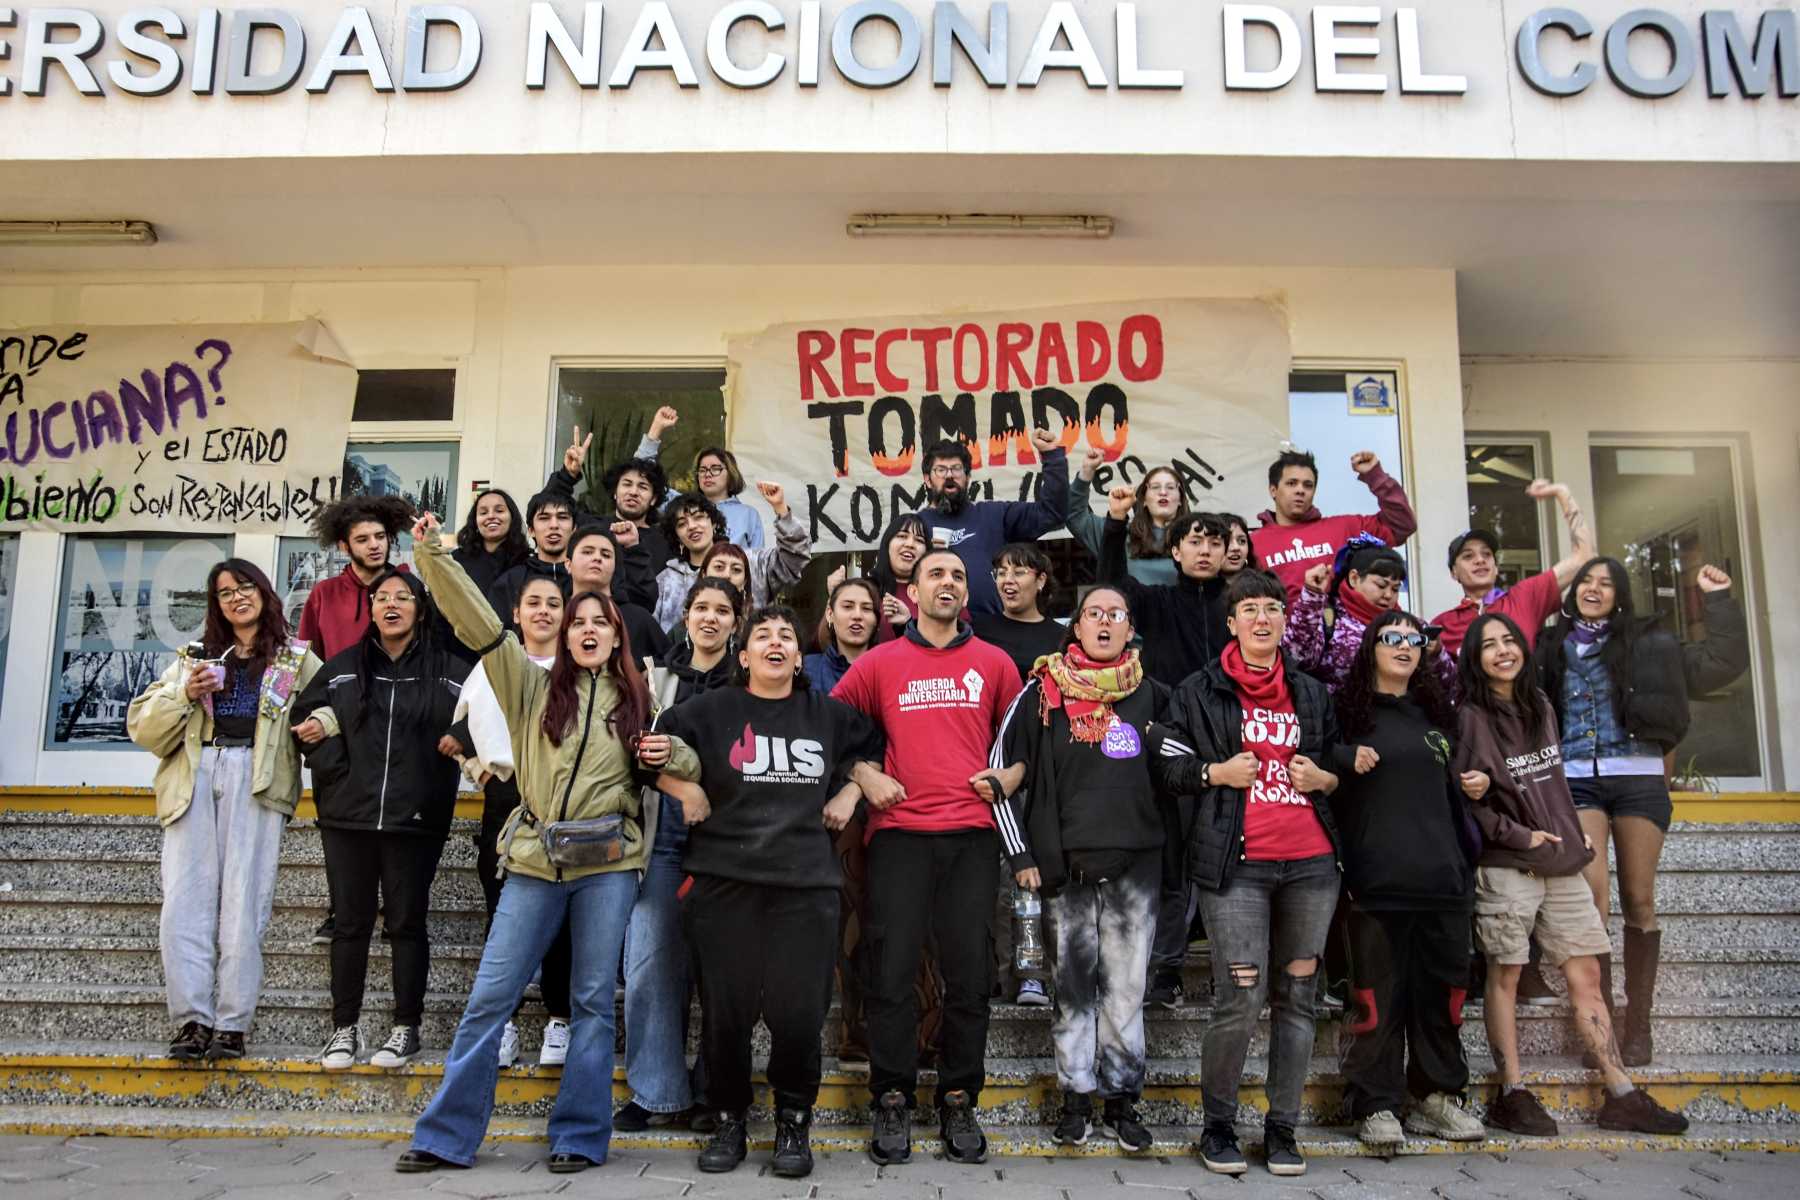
(939, 694)
(1531, 601)
(1295, 537)
(364, 527)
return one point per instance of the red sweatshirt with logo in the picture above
(941, 710)
(1290, 551)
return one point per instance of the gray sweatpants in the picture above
(218, 883)
(1102, 934)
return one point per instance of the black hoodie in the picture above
(383, 771)
(1182, 624)
(1405, 830)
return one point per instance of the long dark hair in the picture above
(740, 674)
(1621, 638)
(630, 714)
(409, 701)
(1476, 690)
(881, 570)
(1356, 698)
(1251, 561)
(513, 547)
(825, 638)
(1140, 534)
(271, 628)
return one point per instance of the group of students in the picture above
(1236, 720)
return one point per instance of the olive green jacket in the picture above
(591, 774)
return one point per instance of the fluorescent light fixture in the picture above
(979, 225)
(77, 233)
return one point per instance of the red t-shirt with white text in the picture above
(1279, 822)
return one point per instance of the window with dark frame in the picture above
(426, 394)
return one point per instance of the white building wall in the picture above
(503, 330)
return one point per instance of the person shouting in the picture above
(1294, 536)
(977, 529)
(1156, 504)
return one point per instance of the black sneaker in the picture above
(963, 1140)
(1164, 990)
(1219, 1149)
(414, 1162)
(1638, 1112)
(890, 1138)
(226, 1043)
(793, 1157)
(190, 1042)
(325, 932)
(728, 1146)
(1518, 1111)
(631, 1118)
(1120, 1119)
(1281, 1153)
(401, 1048)
(1073, 1126)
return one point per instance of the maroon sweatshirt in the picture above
(1527, 791)
(336, 613)
(1289, 551)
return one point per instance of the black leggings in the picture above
(502, 797)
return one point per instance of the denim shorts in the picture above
(1645, 796)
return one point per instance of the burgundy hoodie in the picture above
(1526, 791)
(336, 613)
(1289, 551)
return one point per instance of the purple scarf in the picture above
(1589, 633)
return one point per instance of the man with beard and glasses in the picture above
(939, 694)
(977, 529)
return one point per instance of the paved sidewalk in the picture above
(48, 1168)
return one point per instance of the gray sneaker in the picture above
(1439, 1115)
(1380, 1129)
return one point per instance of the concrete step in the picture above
(83, 1012)
(81, 914)
(1006, 1145)
(1759, 971)
(140, 875)
(1019, 1093)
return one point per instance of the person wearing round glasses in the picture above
(1084, 826)
(1409, 849)
(717, 476)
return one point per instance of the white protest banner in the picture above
(840, 410)
(171, 428)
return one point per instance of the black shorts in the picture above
(1645, 796)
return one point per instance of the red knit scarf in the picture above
(1266, 688)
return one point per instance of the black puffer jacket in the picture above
(1653, 675)
(1206, 717)
(383, 771)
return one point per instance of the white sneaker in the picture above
(1440, 1116)
(341, 1051)
(401, 1048)
(1381, 1129)
(556, 1043)
(1032, 994)
(509, 1045)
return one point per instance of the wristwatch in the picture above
(1205, 774)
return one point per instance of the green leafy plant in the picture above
(1689, 777)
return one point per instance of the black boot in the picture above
(1588, 1058)
(1643, 955)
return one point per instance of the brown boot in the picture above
(1588, 1058)
(1643, 955)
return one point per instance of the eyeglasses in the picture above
(947, 472)
(393, 598)
(708, 472)
(242, 591)
(1107, 616)
(1395, 638)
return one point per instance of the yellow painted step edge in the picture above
(1723, 808)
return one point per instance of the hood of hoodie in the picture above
(1267, 517)
(964, 631)
(692, 679)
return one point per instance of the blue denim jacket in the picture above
(1591, 726)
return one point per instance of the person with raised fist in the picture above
(977, 529)
(1294, 535)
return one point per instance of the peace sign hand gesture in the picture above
(575, 457)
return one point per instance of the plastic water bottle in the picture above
(1028, 932)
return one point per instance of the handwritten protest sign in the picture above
(842, 410)
(171, 427)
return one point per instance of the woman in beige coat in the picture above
(227, 783)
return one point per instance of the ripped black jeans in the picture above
(1268, 915)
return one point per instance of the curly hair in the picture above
(333, 523)
(680, 507)
(1356, 699)
(649, 468)
(271, 628)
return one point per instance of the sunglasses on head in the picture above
(1398, 637)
